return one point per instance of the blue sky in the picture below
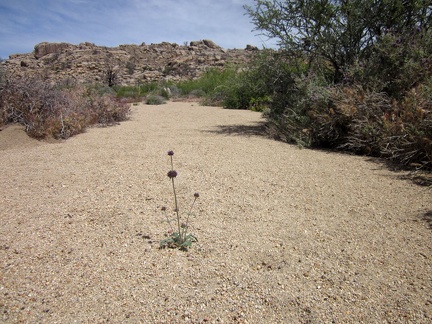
(25, 23)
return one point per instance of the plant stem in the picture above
(169, 221)
(172, 164)
(190, 212)
(177, 211)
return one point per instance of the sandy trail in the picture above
(285, 235)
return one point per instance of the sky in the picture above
(25, 23)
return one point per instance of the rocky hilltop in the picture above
(125, 64)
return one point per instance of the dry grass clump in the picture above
(350, 118)
(372, 123)
(57, 110)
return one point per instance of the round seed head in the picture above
(196, 194)
(172, 174)
(170, 153)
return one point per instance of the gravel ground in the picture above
(285, 235)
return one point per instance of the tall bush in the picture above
(396, 64)
(350, 75)
(339, 31)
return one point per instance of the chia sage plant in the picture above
(180, 239)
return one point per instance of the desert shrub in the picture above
(197, 93)
(31, 102)
(173, 90)
(395, 64)
(354, 119)
(399, 130)
(99, 89)
(280, 87)
(370, 123)
(236, 93)
(187, 86)
(209, 86)
(56, 110)
(165, 92)
(345, 76)
(347, 118)
(136, 93)
(256, 85)
(130, 67)
(408, 128)
(105, 108)
(155, 100)
(215, 87)
(148, 87)
(130, 93)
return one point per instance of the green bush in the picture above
(210, 85)
(396, 64)
(290, 115)
(166, 90)
(344, 80)
(129, 92)
(138, 92)
(266, 81)
(381, 108)
(307, 110)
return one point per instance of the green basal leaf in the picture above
(187, 243)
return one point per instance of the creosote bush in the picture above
(181, 238)
(58, 110)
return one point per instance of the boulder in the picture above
(14, 56)
(209, 43)
(45, 48)
(251, 48)
(196, 43)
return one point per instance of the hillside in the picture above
(130, 64)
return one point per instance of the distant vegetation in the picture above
(210, 88)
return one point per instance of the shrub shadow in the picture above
(257, 129)
(420, 177)
(427, 217)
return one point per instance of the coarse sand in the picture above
(286, 235)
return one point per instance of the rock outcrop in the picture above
(42, 49)
(251, 48)
(131, 64)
